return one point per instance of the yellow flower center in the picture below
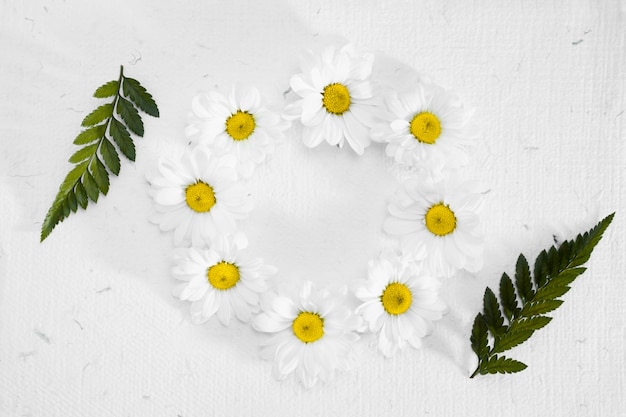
(240, 125)
(396, 298)
(308, 327)
(440, 220)
(223, 275)
(200, 197)
(336, 98)
(426, 127)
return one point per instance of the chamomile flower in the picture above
(198, 197)
(221, 280)
(428, 128)
(336, 98)
(400, 303)
(312, 335)
(240, 125)
(442, 219)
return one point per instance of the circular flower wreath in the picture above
(433, 222)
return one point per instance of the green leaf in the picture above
(90, 176)
(72, 177)
(65, 208)
(56, 213)
(508, 298)
(533, 323)
(479, 337)
(554, 270)
(84, 153)
(590, 240)
(100, 175)
(71, 201)
(491, 313)
(130, 115)
(565, 254)
(566, 277)
(550, 293)
(540, 307)
(81, 195)
(107, 90)
(121, 136)
(90, 135)
(502, 365)
(99, 115)
(509, 340)
(522, 279)
(91, 187)
(138, 95)
(541, 269)
(553, 264)
(110, 156)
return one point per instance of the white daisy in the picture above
(221, 280)
(428, 128)
(198, 197)
(441, 218)
(240, 125)
(337, 100)
(399, 302)
(311, 335)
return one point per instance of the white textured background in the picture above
(87, 325)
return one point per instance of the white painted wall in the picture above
(87, 325)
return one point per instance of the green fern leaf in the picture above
(491, 313)
(100, 175)
(122, 138)
(550, 293)
(536, 308)
(107, 90)
(84, 153)
(508, 298)
(138, 95)
(110, 156)
(554, 270)
(90, 135)
(99, 115)
(522, 279)
(81, 195)
(71, 201)
(566, 277)
(479, 337)
(590, 240)
(90, 176)
(511, 339)
(532, 323)
(502, 365)
(130, 115)
(93, 192)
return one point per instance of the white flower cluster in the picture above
(433, 219)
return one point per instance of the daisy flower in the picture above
(240, 125)
(198, 197)
(337, 102)
(442, 219)
(221, 280)
(311, 335)
(428, 128)
(399, 303)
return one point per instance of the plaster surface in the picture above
(87, 323)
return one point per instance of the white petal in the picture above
(269, 324)
(357, 134)
(312, 111)
(251, 100)
(395, 226)
(312, 136)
